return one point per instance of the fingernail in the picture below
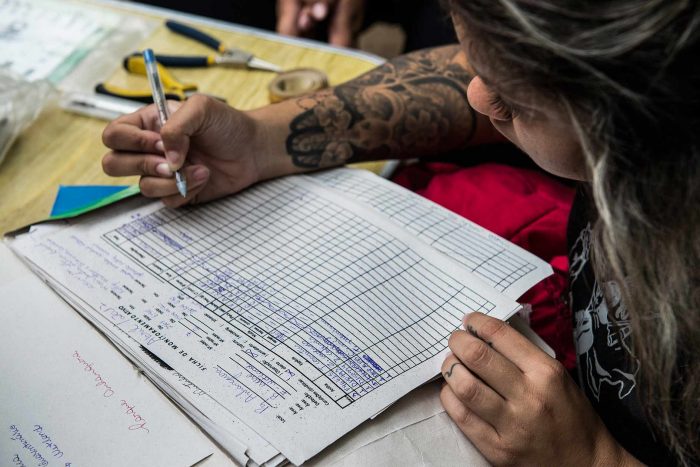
(164, 169)
(319, 11)
(172, 156)
(200, 174)
(160, 147)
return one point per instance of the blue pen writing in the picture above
(159, 99)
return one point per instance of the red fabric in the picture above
(525, 206)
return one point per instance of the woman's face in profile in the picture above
(540, 128)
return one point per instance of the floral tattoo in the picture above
(415, 104)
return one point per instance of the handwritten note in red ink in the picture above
(64, 387)
(104, 388)
(100, 382)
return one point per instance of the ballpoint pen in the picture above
(159, 99)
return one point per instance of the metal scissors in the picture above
(230, 57)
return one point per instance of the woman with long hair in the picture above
(606, 93)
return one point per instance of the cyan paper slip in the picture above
(74, 200)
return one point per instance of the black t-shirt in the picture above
(607, 372)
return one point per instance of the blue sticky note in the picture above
(73, 197)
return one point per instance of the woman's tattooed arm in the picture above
(415, 105)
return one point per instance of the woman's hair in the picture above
(628, 72)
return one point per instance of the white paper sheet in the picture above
(39, 36)
(418, 405)
(435, 441)
(298, 310)
(336, 335)
(69, 398)
(235, 437)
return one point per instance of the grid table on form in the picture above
(306, 278)
(463, 241)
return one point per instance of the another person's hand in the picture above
(300, 18)
(516, 404)
(212, 144)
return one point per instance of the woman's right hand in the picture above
(218, 149)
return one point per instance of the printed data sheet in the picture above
(301, 310)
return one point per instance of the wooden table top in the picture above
(65, 149)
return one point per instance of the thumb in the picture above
(188, 121)
(287, 15)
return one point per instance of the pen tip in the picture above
(182, 188)
(181, 184)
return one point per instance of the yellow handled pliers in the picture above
(174, 89)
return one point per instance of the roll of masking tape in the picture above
(295, 83)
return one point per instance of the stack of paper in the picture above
(283, 317)
(69, 398)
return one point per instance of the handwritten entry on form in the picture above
(68, 398)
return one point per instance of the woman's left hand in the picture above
(516, 404)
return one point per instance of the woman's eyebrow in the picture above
(513, 101)
(487, 81)
(478, 71)
(493, 88)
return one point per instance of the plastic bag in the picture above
(20, 103)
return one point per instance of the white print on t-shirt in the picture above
(580, 253)
(596, 333)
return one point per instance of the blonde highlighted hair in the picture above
(628, 71)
